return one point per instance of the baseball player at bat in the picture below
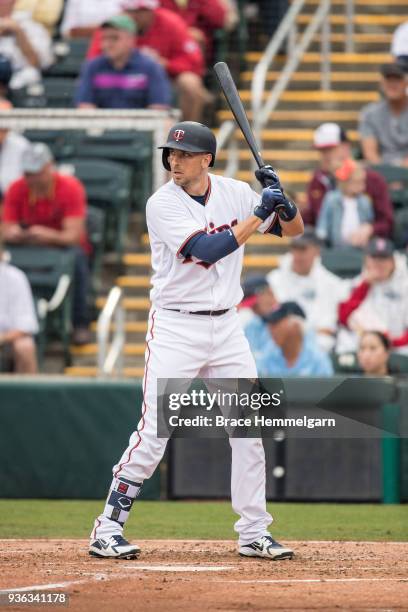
(198, 225)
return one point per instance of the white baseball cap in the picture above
(35, 157)
(328, 135)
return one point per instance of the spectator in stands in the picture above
(46, 208)
(122, 77)
(399, 45)
(25, 43)
(384, 125)
(378, 299)
(258, 298)
(12, 148)
(334, 148)
(18, 321)
(202, 18)
(295, 353)
(45, 12)
(346, 216)
(302, 278)
(374, 353)
(82, 18)
(164, 36)
(258, 301)
(6, 73)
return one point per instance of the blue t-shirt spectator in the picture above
(260, 340)
(312, 361)
(141, 83)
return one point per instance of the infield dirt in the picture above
(208, 575)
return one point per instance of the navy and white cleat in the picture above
(114, 547)
(267, 548)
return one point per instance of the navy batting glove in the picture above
(267, 177)
(271, 198)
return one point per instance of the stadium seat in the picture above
(343, 261)
(108, 186)
(50, 272)
(69, 57)
(347, 363)
(61, 142)
(397, 179)
(128, 147)
(95, 225)
(401, 228)
(51, 93)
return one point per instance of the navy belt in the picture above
(211, 313)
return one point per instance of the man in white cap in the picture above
(45, 208)
(331, 141)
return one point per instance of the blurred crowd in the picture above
(154, 54)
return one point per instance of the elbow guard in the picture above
(211, 247)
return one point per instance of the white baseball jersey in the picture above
(173, 218)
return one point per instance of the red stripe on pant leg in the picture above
(95, 528)
(144, 403)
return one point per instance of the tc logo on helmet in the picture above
(179, 135)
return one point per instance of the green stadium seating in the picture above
(131, 148)
(397, 179)
(108, 186)
(69, 57)
(53, 92)
(343, 261)
(347, 363)
(61, 142)
(401, 228)
(50, 273)
(95, 225)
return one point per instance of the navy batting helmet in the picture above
(189, 136)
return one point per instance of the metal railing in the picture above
(112, 318)
(296, 47)
(262, 110)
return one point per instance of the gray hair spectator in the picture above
(378, 299)
(122, 77)
(384, 125)
(81, 18)
(296, 352)
(25, 43)
(302, 278)
(331, 141)
(18, 321)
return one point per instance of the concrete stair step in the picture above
(291, 135)
(129, 303)
(320, 95)
(315, 117)
(92, 349)
(131, 327)
(335, 58)
(315, 77)
(255, 240)
(362, 19)
(366, 3)
(92, 371)
(144, 303)
(140, 282)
